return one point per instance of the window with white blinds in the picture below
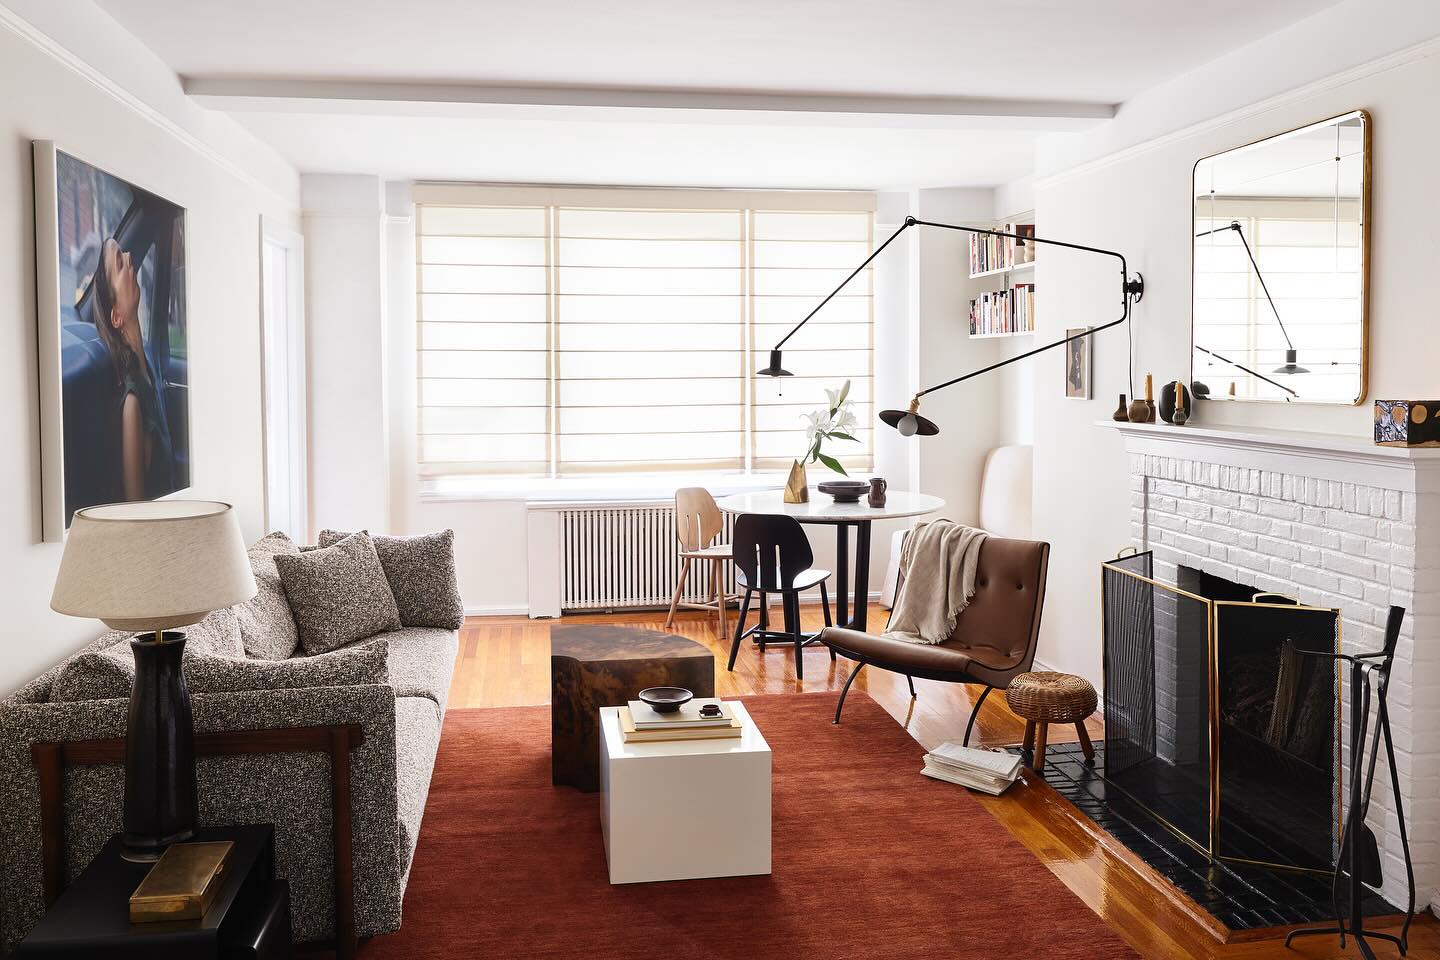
(562, 339)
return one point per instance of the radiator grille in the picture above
(627, 557)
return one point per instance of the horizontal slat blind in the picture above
(650, 339)
(484, 340)
(563, 340)
(798, 259)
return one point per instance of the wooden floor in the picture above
(505, 661)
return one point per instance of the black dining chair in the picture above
(772, 555)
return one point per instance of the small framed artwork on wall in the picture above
(113, 337)
(1078, 365)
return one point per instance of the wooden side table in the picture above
(250, 918)
(594, 666)
(1043, 698)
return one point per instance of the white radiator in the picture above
(610, 557)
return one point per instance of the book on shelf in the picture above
(1001, 312)
(711, 731)
(989, 252)
(989, 771)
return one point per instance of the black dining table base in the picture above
(852, 599)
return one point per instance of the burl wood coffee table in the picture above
(594, 666)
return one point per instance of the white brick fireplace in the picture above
(1332, 521)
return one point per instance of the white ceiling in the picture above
(1061, 52)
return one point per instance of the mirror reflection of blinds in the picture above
(559, 340)
(1311, 261)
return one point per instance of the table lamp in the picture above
(149, 567)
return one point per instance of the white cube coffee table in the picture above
(684, 809)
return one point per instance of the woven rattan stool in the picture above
(1044, 698)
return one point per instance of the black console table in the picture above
(250, 917)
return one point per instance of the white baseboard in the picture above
(508, 610)
(496, 610)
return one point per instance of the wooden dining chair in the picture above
(697, 523)
(772, 555)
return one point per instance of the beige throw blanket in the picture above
(937, 580)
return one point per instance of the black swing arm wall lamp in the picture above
(909, 422)
(1290, 365)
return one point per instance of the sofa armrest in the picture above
(291, 789)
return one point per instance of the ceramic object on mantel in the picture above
(1121, 415)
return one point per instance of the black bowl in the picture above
(844, 491)
(666, 699)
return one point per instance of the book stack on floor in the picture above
(640, 723)
(988, 771)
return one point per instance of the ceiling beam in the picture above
(326, 96)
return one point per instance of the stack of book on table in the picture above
(641, 723)
(989, 771)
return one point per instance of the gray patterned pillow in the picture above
(267, 625)
(421, 572)
(338, 594)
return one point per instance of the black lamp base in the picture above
(160, 806)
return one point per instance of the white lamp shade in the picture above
(152, 565)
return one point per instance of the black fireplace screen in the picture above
(1213, 722)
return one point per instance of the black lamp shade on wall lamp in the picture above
(910, 422)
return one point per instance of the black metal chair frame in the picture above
(1363, 668)
(783, 544)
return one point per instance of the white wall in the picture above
(345, 310)
(224, 179)
(1137, 201)
(970, 415)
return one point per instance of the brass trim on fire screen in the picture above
(1211, 844)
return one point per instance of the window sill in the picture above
(613, 488)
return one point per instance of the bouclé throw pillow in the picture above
(266, 624)
(338, 594)
(421, 572)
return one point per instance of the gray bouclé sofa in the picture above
(248, 670)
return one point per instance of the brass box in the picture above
(182, 884)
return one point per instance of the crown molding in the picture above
(1415, 53)
(268, 94)
(22, 28)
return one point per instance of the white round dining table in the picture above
(822, 509)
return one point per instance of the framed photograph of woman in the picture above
(1077, 365)
(114, 372)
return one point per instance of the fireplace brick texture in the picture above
(1324, 542)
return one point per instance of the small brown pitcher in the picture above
(877, 492)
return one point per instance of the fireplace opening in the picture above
(1216, 723)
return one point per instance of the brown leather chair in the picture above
(994, 638)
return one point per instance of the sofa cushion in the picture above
(421, 662)
(106, 669)
(338, 593)
(267, 626)
(421, 573)
(417, 738)
(110, 673)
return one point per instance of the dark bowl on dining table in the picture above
(844, 491)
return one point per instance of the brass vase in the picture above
(797, 489)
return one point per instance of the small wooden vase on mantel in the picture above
(797, 489)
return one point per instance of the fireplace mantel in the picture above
(1324, 456)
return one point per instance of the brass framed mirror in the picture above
(1280, 266)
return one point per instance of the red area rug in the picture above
(870, 859)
